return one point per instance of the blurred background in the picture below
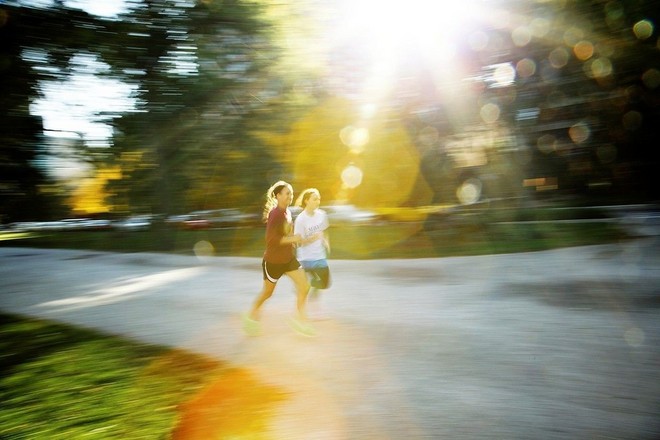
(431, 129)
(125, 112)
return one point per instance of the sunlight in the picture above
(393, 29)
(14, 235)
(235, 406)
(415, 20)
(122, 290)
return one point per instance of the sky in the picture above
(70, 108)
(102, 8)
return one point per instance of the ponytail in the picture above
(271, 197)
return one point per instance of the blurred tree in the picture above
(21, 138)
(198, 68)
(38, 45)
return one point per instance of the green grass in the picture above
(61, 382)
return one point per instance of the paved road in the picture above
(546, 345)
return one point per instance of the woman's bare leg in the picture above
(302, 288)
(266, 292)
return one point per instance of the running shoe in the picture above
(251, 327)
(302, 327)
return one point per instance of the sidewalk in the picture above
(553, 345)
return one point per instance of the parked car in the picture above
(177, 220)
(96, 224)
(231, 217)
(135, 223)
(350, 214)
(83, 224)
(196, 221)
(214, 219)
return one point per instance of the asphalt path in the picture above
(544, 345)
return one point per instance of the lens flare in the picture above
(469, 191)
(351, 176)
(579, 132)
(643, 29)
(606, 153)
(355, 138)
(632, 120)
(599, 68)
(558, 58)
(203, 249)
(583, 50)
(540, 27)
(526, 68)
(236, 405)
(572, 36)
(546, 143)
(651, 78)
(521, 36)
(490, 113)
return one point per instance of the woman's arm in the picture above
(326, 241)
(311, 238)
(295, 239)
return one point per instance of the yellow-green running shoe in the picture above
(251, 327)
(302, 328)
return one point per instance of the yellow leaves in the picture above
(130, 161)
(332, 137)
(89, 197)
(112, 173)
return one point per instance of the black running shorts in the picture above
(273, 271)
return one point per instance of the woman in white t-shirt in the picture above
(312, 225)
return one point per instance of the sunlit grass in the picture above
(61, 382)
(14, 235)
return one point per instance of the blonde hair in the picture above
(305, 195)
(271, 197)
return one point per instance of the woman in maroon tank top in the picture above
(279, 259)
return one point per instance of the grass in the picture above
(61, 382)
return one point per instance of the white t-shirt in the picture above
(307, 225)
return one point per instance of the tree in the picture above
(197, 69)
(38, 46)
(21, 133)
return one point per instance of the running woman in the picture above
(279, 259)
(312, 225)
